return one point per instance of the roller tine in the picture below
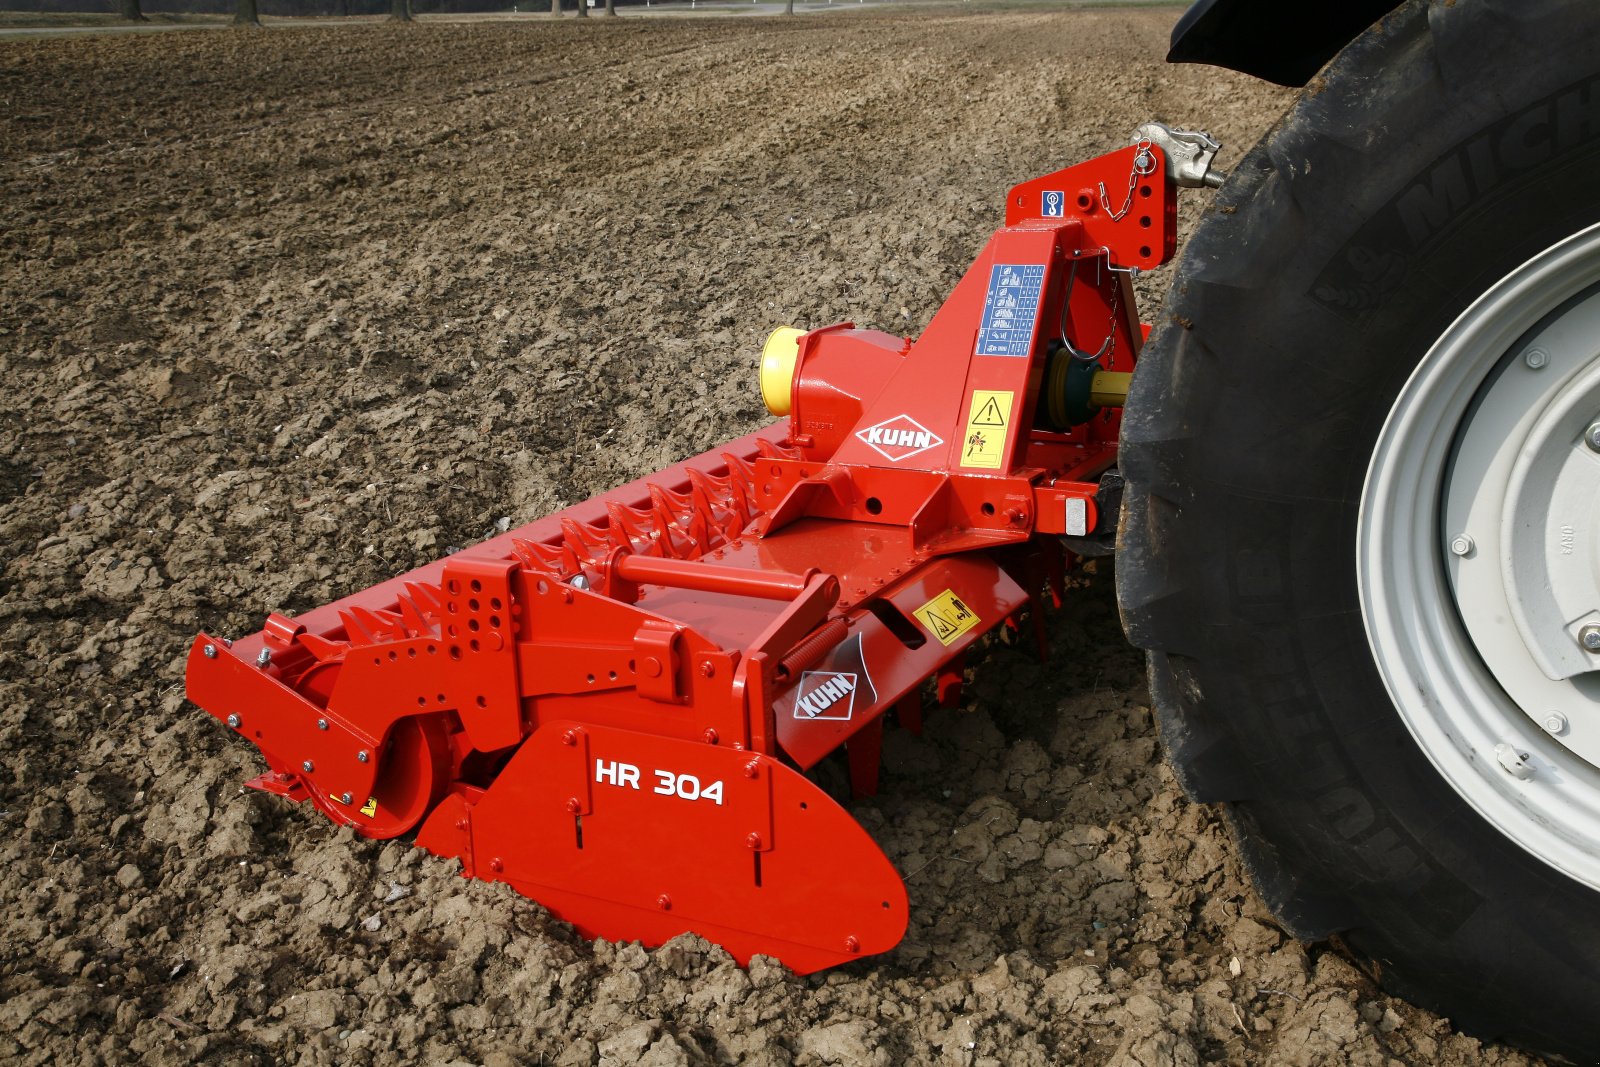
(527, 554)
(664, 521)
(744, 510)
(864, 750)
(741, 494)
(660, 502)
(729, 488)
(427, 596)
(683, 506)
(672, 543)
(768, 450)
(634, 529)
(949, 681)
(739, 469)
(386, 624)
(675, 500)
(416, 623)
(706, 488)
(722, 495)
(573, 540)
(541, 558)
(711, 499)
(584, 542)
(909, 712)
(702, 523)
(619, 531)
(690, 519)
(323, 650)
(1056, 575)
(357, 628)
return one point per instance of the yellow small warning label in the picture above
(370, 808)
(946, 617)
(987, 419)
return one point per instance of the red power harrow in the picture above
(612, 709)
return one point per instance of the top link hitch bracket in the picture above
(1189, 154)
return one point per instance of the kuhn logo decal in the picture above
(826, 695)
(899, 438)
(835, 691)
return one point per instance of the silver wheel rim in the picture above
(1478, 555)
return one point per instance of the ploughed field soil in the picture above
(284, 313)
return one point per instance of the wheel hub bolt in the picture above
(1536, 358)
(1591, 436)
(1589, 637)
(1555, 723)
(1461, 545)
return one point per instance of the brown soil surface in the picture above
(283, 313)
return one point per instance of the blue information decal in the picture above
(1053, 204)
(1009, 309)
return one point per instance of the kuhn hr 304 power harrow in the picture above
(612, 709)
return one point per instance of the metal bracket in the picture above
(1189, 154)
(657, 645)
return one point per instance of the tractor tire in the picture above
(1390, 305)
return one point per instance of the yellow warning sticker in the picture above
(946, 617)
(370, 808)
(987, 419)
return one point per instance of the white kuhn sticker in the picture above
(899, 438)
(826, 695)
(838, 688)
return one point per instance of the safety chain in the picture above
(1144, 165)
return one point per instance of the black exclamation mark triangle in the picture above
(990, 415)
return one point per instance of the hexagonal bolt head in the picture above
(1536, 358)
(1591, 436)
(307, 766)
(210, 651)
(234, 721)
(1555, 723)
(1461, 545)
(263, 657)
(1589, 638)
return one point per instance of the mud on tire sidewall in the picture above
(1441, 150)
